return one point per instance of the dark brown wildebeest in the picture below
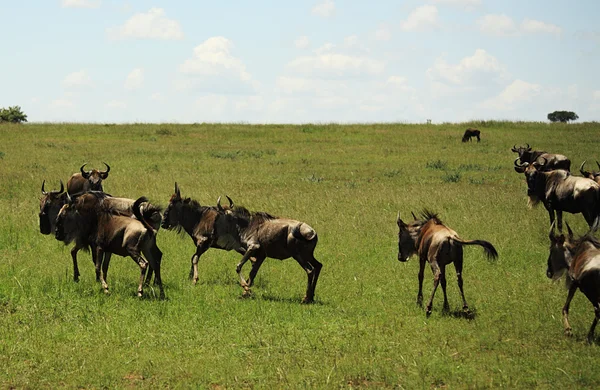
(595, 176)
(560, 191)
(581, 259)
(438, 245)
(263, 235)
(471, 133)
(87, 180)
(204, 224)
(111, 232)
(553, 161)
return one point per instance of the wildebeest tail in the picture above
(304, 232)
(138, 214)
(488, 248)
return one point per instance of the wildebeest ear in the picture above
(399, 221)
(514, 149)
(414, 216)
(230, 202)
(551, 234)
(569, 230)
(177, 193)
(219, 207)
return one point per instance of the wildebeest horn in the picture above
(584, 173)
(514, 148)
(62, 188)
(44, 192)
(414, 216)
(597, 163)
(230, 202)
(84, 173)
(219, 204)
(69, 199)
(528, 147)
(177, 190)
(521, 165)
(551, 233)
(569, 230)
(105, 173)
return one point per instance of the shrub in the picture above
(562, 116)
(12, 114)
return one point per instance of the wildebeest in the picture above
(204, 224)
(471, 133)
(87, 180)
(438, 245)
(87, 217)
(560, 191)
(595, 176)
(553, 161)
(263, 235)
(581, 259)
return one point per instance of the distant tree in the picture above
(12, 114)
(562, 116)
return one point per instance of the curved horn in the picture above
(569, 230)
(521, 165)
(107, 168)
(62, 188)
(219, 204)
(528, 147)
(414, 216)
(84, 173)
(44, 192)
(597, 163)
(177, 192)
(230, 202)
(514, 148)
(69, 199)
(551, 234)
(583, 173)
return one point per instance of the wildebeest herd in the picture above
(92, 219)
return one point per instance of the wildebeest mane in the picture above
(252, 218)
(429, 215)
(193, 209)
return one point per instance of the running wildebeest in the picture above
(87, 180)
(112, 232)
(263, 235)
(581, 259)
(560, 191)
(204, 224)
(553, 161)
(595, 176)
(438, 245)
(471, 133)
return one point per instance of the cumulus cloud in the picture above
(518, 92)
(77, 80)
(302, 42)
(62, 103)
(468, 70)
(335, 65)
(535, 26)
(116, 104)
(135, 79)
(383, 33)
(150, 25)
(502, 25)
(422, 18)
(325, 9)
(466, 4)
(81, 3)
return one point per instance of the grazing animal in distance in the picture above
(560, 191)
(471, 133)
(581, 259)
(88, 218)
(595, 176)
(204, 224)
(263, 235)
(553, 161)
(438, 245)
(87, 180)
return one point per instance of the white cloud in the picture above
(62, 103)
(535, 26)
(302, 42)
(157, 97)
(383, 33)
(351, 40)
(116, 104)
(325, 48)
(324, 9)
(422, 18)
(335, 64)
(499, 25)
(81, 3)
(78, 79)
(518, 92)
(150, 25)
(466, 4)
(135, 79)
(468, 70)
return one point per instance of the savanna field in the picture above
(348, 182)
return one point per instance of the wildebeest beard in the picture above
(532, 200)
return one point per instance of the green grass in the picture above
(348, 182)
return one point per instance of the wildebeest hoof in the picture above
(568, 332)
(428, 312)
(306, 300)
(247, 294)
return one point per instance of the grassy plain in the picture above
(346, 181)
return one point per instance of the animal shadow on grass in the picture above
(470, 314)
(274, 298)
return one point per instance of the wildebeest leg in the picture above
(421, 276)
(436, 280)
(311, 273)
(458, 265)
(565, 310)
(154, 256)
(446, 306)
(558, 220)
(255, 267)
(247, 255)
(99, 264)
(316, 271)
(143, 267)
(94, 250)
(201, 247)
(105, 264)
(75, 267)
(478, 139)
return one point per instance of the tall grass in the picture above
(346, 181)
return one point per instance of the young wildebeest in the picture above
(559, 191)
(87, 180)
(204, 224)
(595, 176)
(581, 259)
(471, 133)
(263, 235)
(553, 161)
(438, 245)
(89, 217)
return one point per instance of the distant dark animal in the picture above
(559, 191)
(581, 259)
(204, 224)
(263, 235)
(595, 176)
(438, 245)
(87, 180)
(553, 161)
(471, 133)
(88, 218)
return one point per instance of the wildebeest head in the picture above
(590, 175)
(524, 152)
(50, 204)
(532, 172)
(64, 221)
(225, 209)
(560, 256)
(406, 239)
(95, 177)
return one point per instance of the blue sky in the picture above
(300, 61)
